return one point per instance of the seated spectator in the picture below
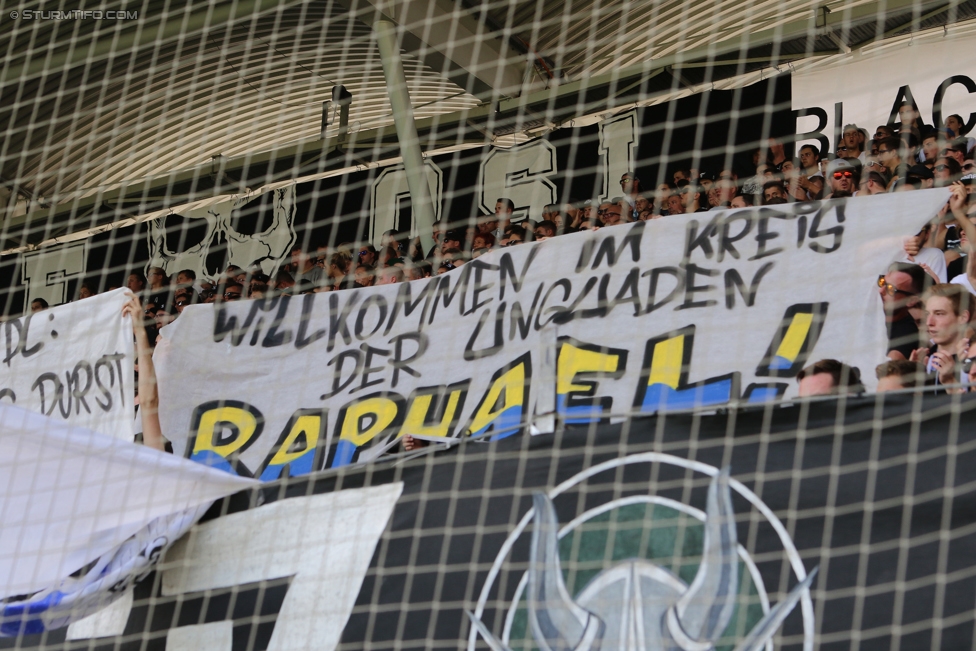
(184, 296)
(306, 272)
(257, 290)
(258, 282)
(186, 278)
(413, 271)
(933, 141)
(811, 179)
(946, 171)
(368, 255)
(437, 232)
(590, 224)
(948, 309)
(882, 132)
(136, 282)
(544, 230)
(661, 196)
(691, 199)
(158, 282)
(676, 205)
(918, 177)
(790, 171)
(515, 235)
(235, 272)
(338, 270)
(389, 275)
(642, 204)
(722, 192)
(233, 290)
(828, 377)
(957, 149)
(164, 316)
(704, 183)
(741, 201)
(968, 367)
(630, 188)
(484, 241)
(86, 290)
(416, 250)
(283, 282)
(895, 375)
(453, 239)
(876, 183)
(391, 238)
(454, 256)
(956, 123)
(901, 290)
(889, 155)
(773, 190)
(364, 275)
(38, 305)
(851, 144)
(208, 293)
(611, 214)
(387, 253)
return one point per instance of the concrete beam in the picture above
(450, 40)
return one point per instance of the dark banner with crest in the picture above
(835, 524)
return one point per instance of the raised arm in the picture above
(957, 203)
(152, 433)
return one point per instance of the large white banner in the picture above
(937, 73)
(689, 310)
(73, 362)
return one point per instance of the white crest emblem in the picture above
(637, 603)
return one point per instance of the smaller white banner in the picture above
(73, 363)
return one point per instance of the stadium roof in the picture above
(106, 120)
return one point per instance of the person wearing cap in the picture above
(918, 177)
(842, 178)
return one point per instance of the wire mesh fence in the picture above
(541, 324)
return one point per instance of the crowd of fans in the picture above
(931, 286)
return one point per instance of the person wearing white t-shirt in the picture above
(929, 258)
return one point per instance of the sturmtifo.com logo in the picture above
(643, 572)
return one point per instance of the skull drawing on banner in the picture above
(237, 232)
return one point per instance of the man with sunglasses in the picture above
(842, 177)
(900, 290)
(367, 255)
(233, 291)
